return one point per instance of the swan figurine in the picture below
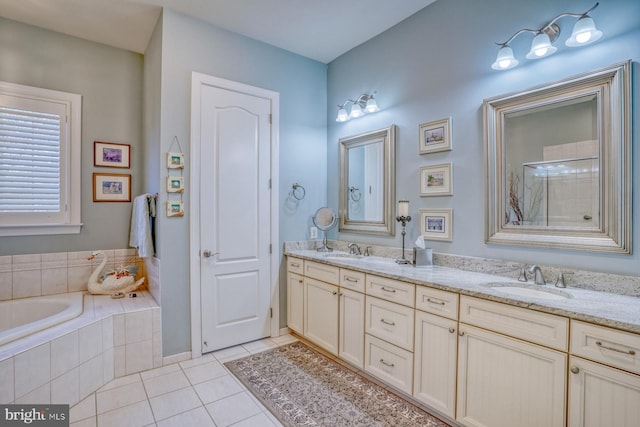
(118, 281)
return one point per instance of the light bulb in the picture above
(540, 47)
(372, 106)
(342, 115)
(505, 59)
(584, 32)
(356, 111)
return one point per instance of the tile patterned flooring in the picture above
(198, 392)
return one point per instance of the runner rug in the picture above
(302, 387)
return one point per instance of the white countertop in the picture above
(603, 308)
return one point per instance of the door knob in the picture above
(207, 253)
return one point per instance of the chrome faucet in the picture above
(354, 249)
(538, 278)
(367, 251)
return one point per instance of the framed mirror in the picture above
(558, 164)
(367, 182)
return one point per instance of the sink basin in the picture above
(532, 291)
(342, 256)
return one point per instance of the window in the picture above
(39, 161)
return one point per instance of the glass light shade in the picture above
(342, 115)
(403, 208)
(584, 32)
(356, 111)
(540, 47)
(505, 59)
(372, 105)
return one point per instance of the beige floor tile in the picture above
(232, 409)
(236, 352)
(138, 414)
(119, 397)
(162, 384)
(217, 388)
(84, 409)
(259, 420)
(198, 361)
(87, 422)
(159, 371)
(119, 382)
(198, 417)
(258, 346)
(207, 371)
(173, 403)
(284, 339)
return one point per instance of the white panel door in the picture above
(234, 217)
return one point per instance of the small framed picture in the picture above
(175, 208)
(435, 136)
(436, 224)
(111, 155)
(436, 180)
(111, 187)
(175, 161)
(175, 184)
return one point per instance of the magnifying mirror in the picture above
(325, 219)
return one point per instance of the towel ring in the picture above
(296, 191)
(355, 194)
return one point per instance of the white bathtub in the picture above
(25, 316)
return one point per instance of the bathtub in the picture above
(25, 316)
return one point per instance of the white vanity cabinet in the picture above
(321, 314)
(295, 294)
(503, 380)
(436, 347)
(602, 395)
(351, 324)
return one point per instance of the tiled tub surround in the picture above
(604, 308)
(32, 275)
(583, 279)
(65, 363)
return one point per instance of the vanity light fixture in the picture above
(584, 32)
(365, 103)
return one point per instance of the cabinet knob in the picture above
(452, 330)
(335, 292)
(575, 369)
(461, 334)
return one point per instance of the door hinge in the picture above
(270, 119)
(271, 312)
(270, 248)
(269, 183)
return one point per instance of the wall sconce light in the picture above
(365, 103)
(584, 32)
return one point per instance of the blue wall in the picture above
(191, 45)
(437, 64)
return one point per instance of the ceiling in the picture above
(318, 29)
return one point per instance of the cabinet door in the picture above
(505, 382)
(602, 396)
(434, 369)
(321, 314)
(351, 335)
(295, 302)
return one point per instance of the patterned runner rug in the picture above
(302, 387)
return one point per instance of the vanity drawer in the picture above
(391, 364)
(324, 272)
(353, 280)
(540, 328)
(605, 345)
(391, 322)
(438, 302)
(391, 290)
(295, 265)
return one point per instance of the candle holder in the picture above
(403, 220)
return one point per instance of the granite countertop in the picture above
(603, 308)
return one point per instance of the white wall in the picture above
(436, 64)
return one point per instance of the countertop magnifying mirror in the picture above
(367, 182)
(559, 164)
(325, 219)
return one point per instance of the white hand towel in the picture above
(140, 236)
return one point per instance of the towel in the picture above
(140, 237)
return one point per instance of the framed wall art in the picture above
(435, 136)
(175, 208)
(111, 155)
(111, 187)
(175, 161)
(436, 180)
(175, 184)
(436, 224)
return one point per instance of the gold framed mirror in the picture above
(558, 164)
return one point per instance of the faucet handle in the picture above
(523, 275)
(560, 280)
(368, 250)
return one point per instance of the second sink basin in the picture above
(532, 291)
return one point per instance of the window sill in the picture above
(39, 229)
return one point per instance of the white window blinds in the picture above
(30, 153)
(39, 161)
